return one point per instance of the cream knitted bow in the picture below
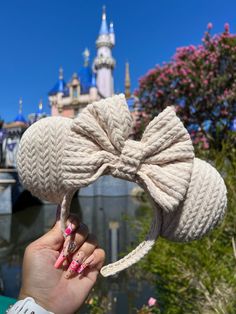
(59, 155)
(98, 143)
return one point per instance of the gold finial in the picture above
(20, 105)
(86, 55)
(41, 104)
(104, 13)
(127, 81)
(61, 73)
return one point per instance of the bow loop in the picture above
(168, 153)
(106, 122)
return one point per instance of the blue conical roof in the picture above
(104, 27)
(85, 76)
(20, 118)
(60, 86)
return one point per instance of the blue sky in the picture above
(37, 36)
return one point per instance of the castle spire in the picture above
(103, 28)
(60, 73)
(40, 105)
(112, 33)
(86, 55)
(20, 117)
(104, 13)
(104, 63)
(20, 105)
(111, 27)
(127, 81)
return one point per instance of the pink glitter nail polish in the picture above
(68, 230)
(60, 260)
(74, 265)
(81, 268)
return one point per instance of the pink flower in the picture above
(209, 26)
(152, 302)
(205, 145)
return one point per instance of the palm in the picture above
(44, 279)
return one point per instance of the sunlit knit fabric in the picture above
(58, 155)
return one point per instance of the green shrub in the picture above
(198, 277)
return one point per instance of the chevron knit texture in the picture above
(57, 156)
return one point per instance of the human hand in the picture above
(61, 290)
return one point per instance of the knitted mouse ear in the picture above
(39, 158)
(203, 207)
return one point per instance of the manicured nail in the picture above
(75, 264)
(87, 262)
(81, 268)
(68, 230)
(79, 257)
(60, 260)
(70, 247)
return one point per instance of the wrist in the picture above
(27, 305)
(43, 303)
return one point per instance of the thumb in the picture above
(53, 238)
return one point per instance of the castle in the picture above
(93, 82)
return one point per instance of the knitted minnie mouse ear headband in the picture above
(58, 155)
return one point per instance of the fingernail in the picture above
(70, 247)
(60, 260)
(88, 261)
(74, 265)
(81, 268)
(79, 257)
(68, 230)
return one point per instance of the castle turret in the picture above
(56, 93)
(20, 118)
(39, 114)
(112, 34)
(127, 81)
(104, 63)
(12, 134)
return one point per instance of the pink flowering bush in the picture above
(201, 82)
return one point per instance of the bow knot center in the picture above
(129, 161)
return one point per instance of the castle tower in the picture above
(13, 132)
(38, 114)
(56, 94)
(104, 63)
(127, 81)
